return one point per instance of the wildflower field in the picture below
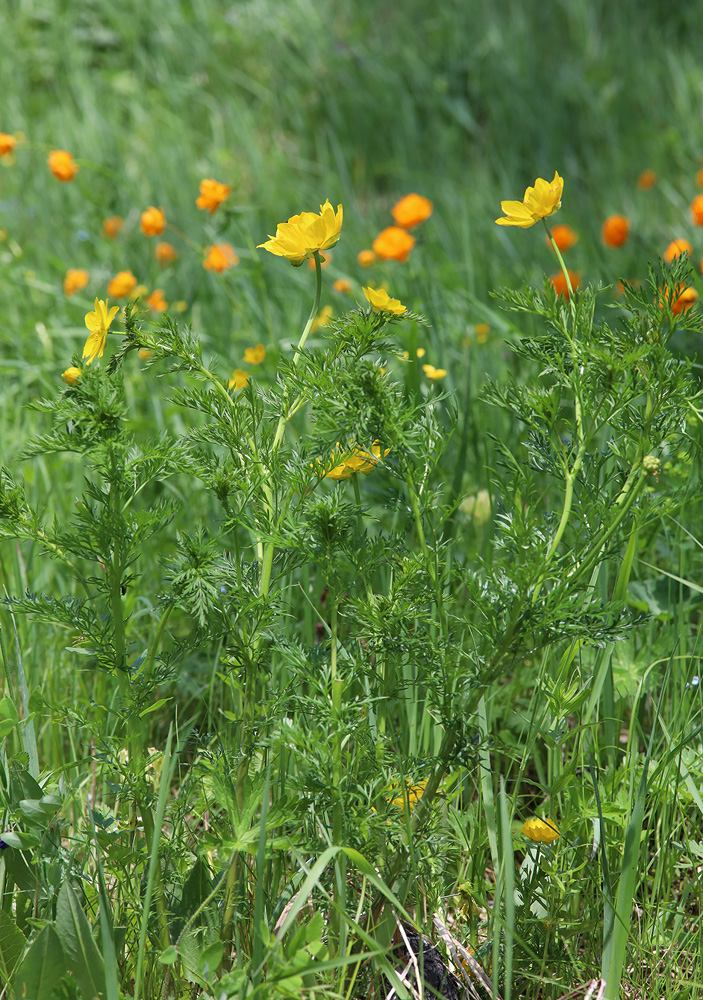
(351, 550)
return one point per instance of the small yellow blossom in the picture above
(255, 355)
(358, 460)
(482, 330)
(153, 221)
(62, 165)
(413, 794)
(306, 234)
(342, 285)
(76, 279)
(419, 353)
(541, 831)
(366, 258)
(539, 202)
(180, 306)
(98, 322)
(71, 375)
(239, 379)
(382, 302)
(434, 373)
(212, 194)
(144, 353)
(322, 319)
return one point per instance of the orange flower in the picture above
(144, 354)
(482, 330)
(676, 249)
(411, 210)
(62, 165)
(156, 301)
(255, 355)
(616, 230)
(165, 253)
(697, 210)
(112, 225)
(558, 281)
(342, 285)
(684, 301)
(239, 379)
(325, 258)
(76, 278)
(366, 258)
(646, 180)
(564, 237)
(212, 194)
(394, 243)
(220, 257)
(121, 285)
(7, 144)
(153, 221)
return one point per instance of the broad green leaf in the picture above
(42, 968)
(12, 944)
(82, 956)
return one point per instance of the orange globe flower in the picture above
(564, 237)
(325, 259)
(677, 248)
(615, 231)
(122, 285)
(153, 221)
(76, 278)
(646, 180)
(411, 210)
(112, 226)
(7, 144)
(684, 301)
(62, 165)
(366, 258)
(212, 194)
(394, 243)
(156, 301)
(697, 210)
(165, 253)
(539, 202)
(220, 257)
(342, 285)
(558, 282)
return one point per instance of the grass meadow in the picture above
(333, 623)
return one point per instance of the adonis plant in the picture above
(281, 576)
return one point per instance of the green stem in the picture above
(429, 558)
(564, 269)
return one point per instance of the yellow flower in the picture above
(382, 302)
(540, 201)
(7, 143)
(305, 234)
(482, 330)
(153, 221)
(358, 461)
(71, 375)
(366, 258)
(541, 831)
(342, 285)
(98, 323)
(434, 373)
(419, 353)
(255, 355)
(212, 194)
(62, 165)
(144, 353)
(76, 278)
(322, 319)
(239, 379)
(413, 793)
